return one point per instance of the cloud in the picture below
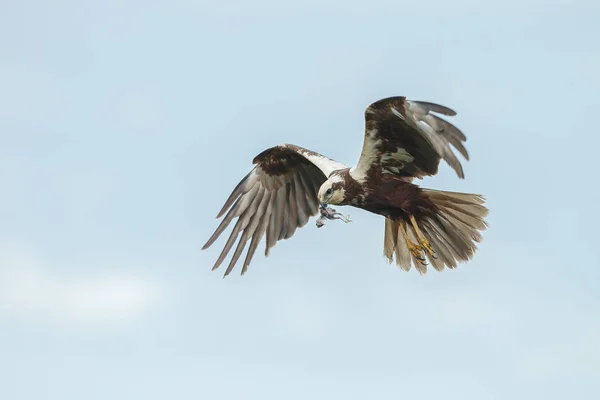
(29, 290)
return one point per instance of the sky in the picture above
(124, 125)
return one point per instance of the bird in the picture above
(404, 140)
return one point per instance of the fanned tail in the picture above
(452, 232)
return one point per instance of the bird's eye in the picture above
(328, 191)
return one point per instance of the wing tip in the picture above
(459, 170)
(432, 107)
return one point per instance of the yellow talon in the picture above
(415, 249)
(417, 252)
(427, 246)
(422, 239)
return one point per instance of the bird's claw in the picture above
(427, 247)
(417, 252)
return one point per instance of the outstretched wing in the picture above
(278, 196)
(405, 138)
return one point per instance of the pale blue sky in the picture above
(124, 125)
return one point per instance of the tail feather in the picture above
(444, 251)
(412, 235)
(453, 232)
(390, 239)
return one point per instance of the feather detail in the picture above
(452, 232)
(278, 196)
(405, 138)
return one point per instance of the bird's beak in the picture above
(323, 205)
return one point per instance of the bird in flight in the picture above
(403, 140)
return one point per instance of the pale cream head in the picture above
(332, 191)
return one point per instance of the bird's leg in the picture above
(424, 242)
(414, 248)
(330, 213)
(337, 215)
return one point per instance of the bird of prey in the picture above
(403, 140)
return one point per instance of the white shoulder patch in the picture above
(367, 156)
(358, 174)
(325, 164)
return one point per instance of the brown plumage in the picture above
(403, 140)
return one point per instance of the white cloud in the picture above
(29, 290)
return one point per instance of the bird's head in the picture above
(332, 191)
